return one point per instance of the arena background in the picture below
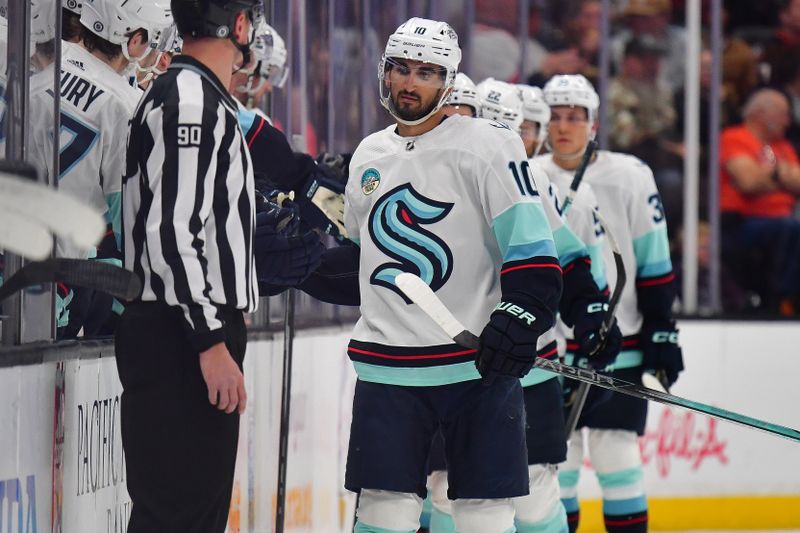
(61, 461)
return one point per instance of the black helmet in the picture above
(210, 18)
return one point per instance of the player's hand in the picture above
(662, 353)
(224, 379)
(508, 344)
(597, 352)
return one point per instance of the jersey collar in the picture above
(190, 63)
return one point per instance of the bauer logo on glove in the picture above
(515, 310)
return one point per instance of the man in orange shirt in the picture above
(760, 182)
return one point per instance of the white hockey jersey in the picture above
(629, 202)
(96, 105)
(576, 235)
(452, 205)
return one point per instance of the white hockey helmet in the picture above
(572, 90)
(429, 41)
(43, 21)
(274, 67)
(502, 102)
(534, 108)
(115, 20)
(72, 5)
(465, 93)
(169, 42)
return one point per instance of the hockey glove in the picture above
(662, 353)
(592, 350)
(282, 212)
(281, 259)
(321, 203)
(508, 343)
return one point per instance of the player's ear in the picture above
(241, 28)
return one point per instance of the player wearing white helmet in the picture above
(71, 20)
(157, 61)
(535, 117)
(464, 98)
(43, 32)
(581, 306)
(96, 104)
(630, 203)
(438, 198)
(500, 101)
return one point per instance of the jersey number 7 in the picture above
(82, 139)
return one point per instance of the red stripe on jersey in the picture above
(253, 138)
(520, 267)
(656, 281)
(428, 356)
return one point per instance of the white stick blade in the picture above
(63, 214)
(421, 294)
(652, 382)
(24, 237)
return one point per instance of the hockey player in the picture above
(96, 104)
(464, 98)
(628, 199)
(535, 117)
(438, 197)
(582, 305)
(266, 70)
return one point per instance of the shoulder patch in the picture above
(370, 180)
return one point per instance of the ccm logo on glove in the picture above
(517, 311)
(597, 307)
(666, 336)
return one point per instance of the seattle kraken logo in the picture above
(395, 227)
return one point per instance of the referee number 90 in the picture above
(188, 135)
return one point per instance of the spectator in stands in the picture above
(739, 73)
(582, 32)
(781, 53)
(760, 182)
(642, 117)
(652, 17)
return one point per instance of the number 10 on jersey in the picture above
(522, 175)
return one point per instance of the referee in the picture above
(188, 215)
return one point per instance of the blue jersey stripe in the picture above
(523, 229)
(417, 377)
(652, 254)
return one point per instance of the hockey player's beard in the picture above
(406, 113)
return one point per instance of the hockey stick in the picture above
(286, 395)
(579, 398)
(421, 294)
(116, 281)
(23, 236)
(60, 213)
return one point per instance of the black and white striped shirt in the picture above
(188, 200)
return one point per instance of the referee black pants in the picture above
(180, 451)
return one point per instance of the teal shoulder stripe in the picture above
(536, 376)
(568, 245)
(652, 253)
(417, 377)
(598, 265)
(355, 240)
(523, 229)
